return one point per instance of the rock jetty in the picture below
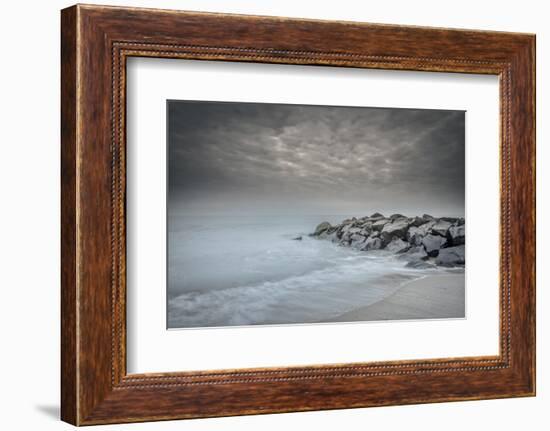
(423, 242)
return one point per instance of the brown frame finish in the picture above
(95, 42)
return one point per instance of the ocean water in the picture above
(237, 270)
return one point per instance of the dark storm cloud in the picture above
(240, 156)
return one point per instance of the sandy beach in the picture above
(432, 297)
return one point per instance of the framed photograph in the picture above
(263, 214)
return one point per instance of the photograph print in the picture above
(284, 214)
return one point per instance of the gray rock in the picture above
(457, 235)
(441, 227)
(357, 240)
(414, 239)
(396, 216)
(298, 238)
(345, 239)
(414, 253)
(350, 231)
(343, 231)
(452, 256)
(379, 224)
(419, 264)
(432, 244)
(418, 221)
(415, 234)
(366, 224)
(397, 228)
(365, 230)
(397, 245)
(326, 235)
(372, 244)
(451, 220)
(344, 227)
(321, 227)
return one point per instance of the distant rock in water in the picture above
(322, 227)
(298, 238)
(423, 242)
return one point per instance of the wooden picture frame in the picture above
(95, 43)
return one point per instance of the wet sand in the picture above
(432, 297)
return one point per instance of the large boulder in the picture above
(418, 221)
(366, 230)
(349, 232)
(452, 256)
(396, 216)
(433, 243)
(397, 245)
(379, 224)
(327, 234)
(457, 235)
(372, 244)
(414, 253)
(366, 225)
(376, 216)
(398, 228)
(415, 234)
(322, 227)
(441, 227)
(357, 240)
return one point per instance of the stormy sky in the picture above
(253, 158)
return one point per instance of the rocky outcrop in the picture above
(422, 241)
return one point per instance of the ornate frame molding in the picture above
(96, 41)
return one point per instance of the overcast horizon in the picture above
(273, 159)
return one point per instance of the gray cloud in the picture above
(243, 157)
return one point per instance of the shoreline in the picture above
(435, 296)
